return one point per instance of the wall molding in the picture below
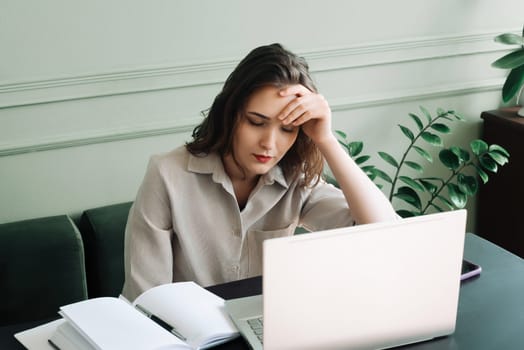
(95, 137)
(187, 125)
(430, 93)
(151, 79)
(401, 51)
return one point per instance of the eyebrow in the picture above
(258, 115)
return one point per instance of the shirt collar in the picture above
(212, 164)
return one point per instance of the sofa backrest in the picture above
(41, 268)
(103, 231)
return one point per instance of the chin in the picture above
(262, 169)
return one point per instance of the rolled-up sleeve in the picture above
(148, 253)
(325, 208)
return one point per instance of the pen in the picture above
(53, 344)
(160, 322)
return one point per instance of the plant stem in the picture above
(454, 173)
(404, 156)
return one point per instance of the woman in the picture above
(252, 172)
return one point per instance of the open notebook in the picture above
(362, 287)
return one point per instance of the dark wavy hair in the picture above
(270, 65)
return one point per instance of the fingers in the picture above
(302, 119)
(297, 90)
(296, 109)
(304, 108)
(308, 110)
(296, 112)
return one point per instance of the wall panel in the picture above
(88, 91)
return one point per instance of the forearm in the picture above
(311, 112)
(366, 201)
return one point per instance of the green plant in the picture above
(513, 61)
(450, 192)
(354, 149)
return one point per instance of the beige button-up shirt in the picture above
(185, 223)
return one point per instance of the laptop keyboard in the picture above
(257, 325)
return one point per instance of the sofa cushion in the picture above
(103, 231)
(41, 268)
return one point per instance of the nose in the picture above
(268, 139)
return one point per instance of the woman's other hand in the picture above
(310, 111)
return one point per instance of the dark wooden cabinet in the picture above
(500, 214)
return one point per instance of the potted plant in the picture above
(515, 62)
(420, 194)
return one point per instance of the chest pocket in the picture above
(255, 238)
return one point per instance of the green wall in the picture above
(88, 91)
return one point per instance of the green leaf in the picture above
(371, 174)
(343, 144)
(449, 159)
(407, 132)
(457, 197)
(406, 213)
(443, 128)
(488, 163)
(414, 165)
(426, 113)
(437, 207)
(441, 111)
(368, 168)
(379, 173)
(511, 60)
(478, 147)
(429, 186)
(482, 174)
(388, 158)
(509, 39)
(458, 116)
(341, 134)
(425, 154)
(447, 118)
(417, 120)
(412, 183)
(500, 149)
(513, 83)
(446, 201)
(409, 196)
(362, 159)
(461, 153)
(467, 184)
(432, 139)
(499, 158)
(355, 148)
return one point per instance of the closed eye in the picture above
(255, 122)
(288, 129)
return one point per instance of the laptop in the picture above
(371, 286)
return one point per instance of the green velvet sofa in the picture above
(102, 232)
(53, 261)
(41, 268)
(49, 262)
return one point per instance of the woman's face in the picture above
(261, 140)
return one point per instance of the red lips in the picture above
(262, 158)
